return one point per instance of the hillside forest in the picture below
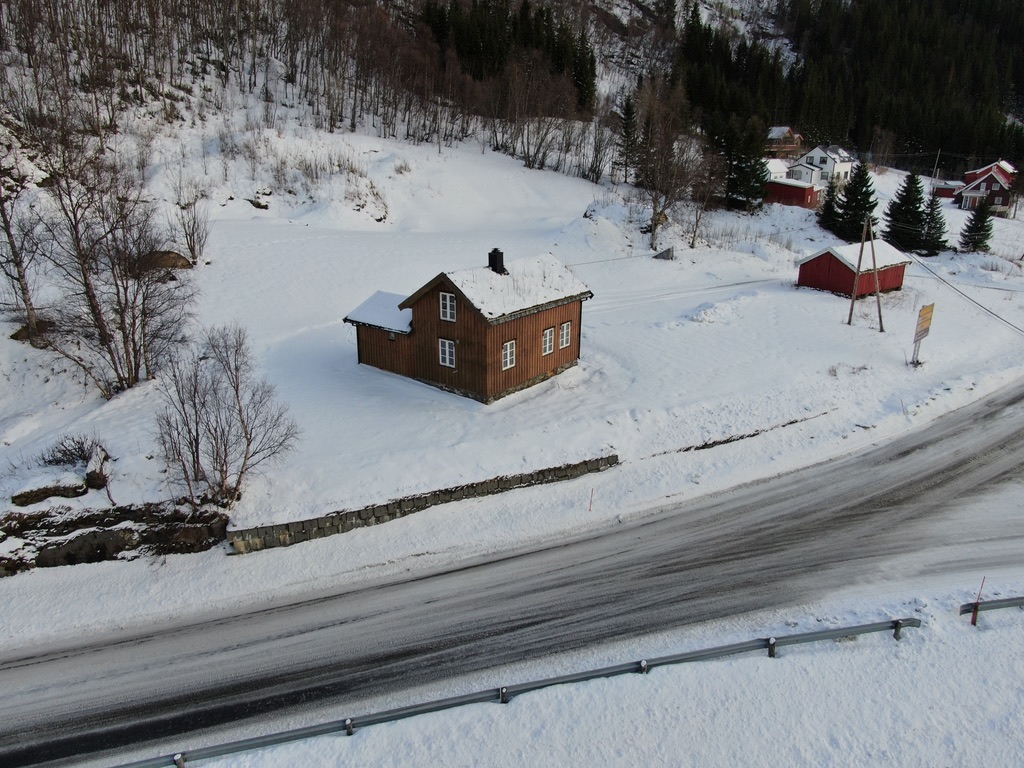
(675, 97)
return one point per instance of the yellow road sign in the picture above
(924, 322)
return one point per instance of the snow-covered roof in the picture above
(530, 282)
(381, 311)
(793, 183)
(776, 166)
(1002, 165)
(836, 153)
(885, 255)
(777, 132)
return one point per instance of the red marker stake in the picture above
(977, 604)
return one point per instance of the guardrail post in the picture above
(350, 727)
(503, 695)
(643, 666)
(974, 614)
(897, 626)
(179, 760)
(771, 647)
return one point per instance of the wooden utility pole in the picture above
(867, 235)
(874, 264)
(856, 273)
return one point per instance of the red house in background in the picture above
(792, 192)
(834, 269)
(992, 183)
(483, 332)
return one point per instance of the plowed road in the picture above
(771, 543)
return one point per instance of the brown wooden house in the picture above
(483, 332)
(835, 269)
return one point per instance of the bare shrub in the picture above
(220, 421)
(70, 451)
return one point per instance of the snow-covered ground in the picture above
(715, 344)
(945, 694)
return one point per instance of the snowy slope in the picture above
(715, 344)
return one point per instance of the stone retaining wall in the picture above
(285, 534)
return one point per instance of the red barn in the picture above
(483, 332)
(792, 192)
(834, 268)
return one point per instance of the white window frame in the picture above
(565, 334)
(508, 355)
(547, 342)
(446, 352)
(448, 306)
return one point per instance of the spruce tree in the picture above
(905, 216)
(828, 216)
(742, 147)
(855, 204)
(629, 139)
(977, 231)
(934, 239)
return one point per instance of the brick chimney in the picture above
(496, 261)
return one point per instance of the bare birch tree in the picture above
(221, 422)
(19, 241)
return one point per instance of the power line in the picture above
(1016, 329)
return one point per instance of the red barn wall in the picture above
(827, 273)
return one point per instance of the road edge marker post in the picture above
(977, 604)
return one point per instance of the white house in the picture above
(833, 161)
(777, 169)
(805, 172)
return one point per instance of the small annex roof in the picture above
(885, 255)
(839, 154)
(776, 166)
(527, 283)
(381, 311)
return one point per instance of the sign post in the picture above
(924, 324)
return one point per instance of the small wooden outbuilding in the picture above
(834, 269)
(483, 332)
(792, 192)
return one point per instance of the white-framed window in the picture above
(999, 199)
(448, 306)
(446, 348)
(821, 160)
(983, 186)
(547, 345)
(508, 355)
(565, 335)
(995, 186)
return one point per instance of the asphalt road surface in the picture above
(772, 543)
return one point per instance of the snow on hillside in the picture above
(716, 344)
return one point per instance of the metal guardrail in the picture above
(991, 605)
(505, 694)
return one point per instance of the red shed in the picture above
(833, 269)
(792, 192)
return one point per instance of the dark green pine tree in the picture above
(629, 139)
(905, 216)
(977, 231)
(746, 175)
(828, 216)
(855, 204)
(934, 239)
